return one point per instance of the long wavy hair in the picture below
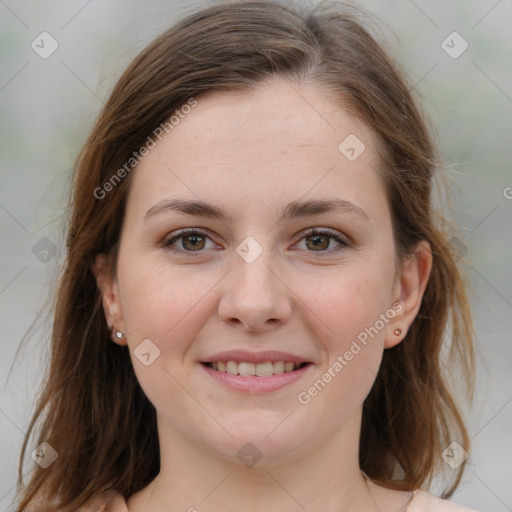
(91, 409)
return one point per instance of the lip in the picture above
(253, 384)
(255, 357)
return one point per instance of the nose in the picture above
(255, 295)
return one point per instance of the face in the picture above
(274, 279)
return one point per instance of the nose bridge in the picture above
(253, 294)
(253, 265)
(253, 270)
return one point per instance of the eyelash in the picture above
(335, 235)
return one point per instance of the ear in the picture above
(409, 289)
(107, 285)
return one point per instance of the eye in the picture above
(192, 241)
(319, 240)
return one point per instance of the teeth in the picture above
(260, 369)
(232, 367)
(247, 369)
(263, 369)
(278, 367)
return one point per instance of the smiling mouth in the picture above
(244, 369)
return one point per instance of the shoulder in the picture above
(425, 502)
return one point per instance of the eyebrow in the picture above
(294, 210)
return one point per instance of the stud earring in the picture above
(118, 334)
(397, 332)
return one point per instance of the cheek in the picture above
(351, 302)
(166, 306)
(356, 311)
(158, 299)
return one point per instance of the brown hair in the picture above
(95, 414)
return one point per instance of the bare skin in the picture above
(252, 154)
(108, 501)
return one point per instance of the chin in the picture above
(271, 442)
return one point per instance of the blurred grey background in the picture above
(50, 100)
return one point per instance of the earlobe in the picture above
(411, 285)
(108, 288)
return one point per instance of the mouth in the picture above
(246, 369)
(256, 378)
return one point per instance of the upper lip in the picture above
(255, 357)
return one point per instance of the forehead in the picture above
(278, 113)
(280, 138)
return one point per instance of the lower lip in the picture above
(253, 384)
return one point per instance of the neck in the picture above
(321, 475)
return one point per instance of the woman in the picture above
(257, 288)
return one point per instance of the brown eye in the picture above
(193, 242)
(187, 242)
(320, 241)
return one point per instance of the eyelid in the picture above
(176, 235)
(334, 233)
(343, 240)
